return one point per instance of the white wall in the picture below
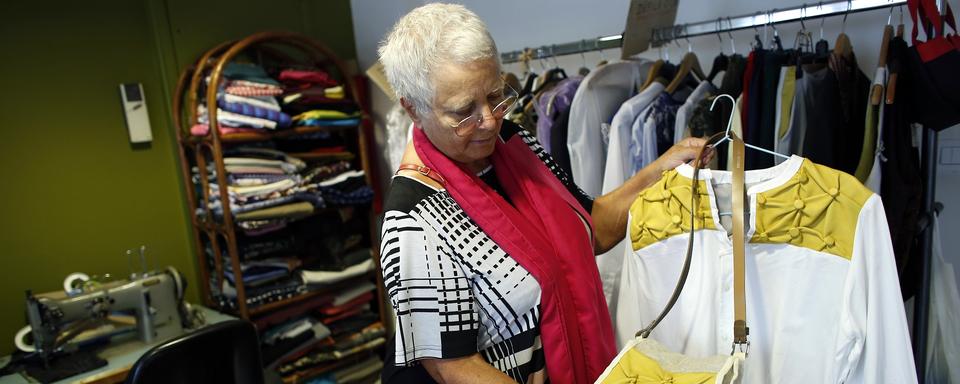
(531, 23)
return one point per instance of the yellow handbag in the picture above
(644, 360)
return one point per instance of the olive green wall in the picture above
(75, 193)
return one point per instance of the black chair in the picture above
(227, 352)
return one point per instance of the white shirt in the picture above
(822, 293)
(596, 101)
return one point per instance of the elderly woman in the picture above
(487, 246)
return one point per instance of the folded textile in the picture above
(248, 72)
(254, 169)
(327, 277)
(351, 293)
(298, 309)
(294, 329)
(353, 324)
(260, 295)
(325, 114)
(332, 94)
(350, 306)
(204, 129)
(261, 227)
(347, 313)
(261, 271)
(328, 123)
(257, 248)
(257, 162)
(264, 153)
(359, 372)
(371, 337)
(282, 119)
(252, 179)
(243, 90)
(231, 119)
(307, 78)
(265, 102)
(290, 211)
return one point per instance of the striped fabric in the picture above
(456, 292)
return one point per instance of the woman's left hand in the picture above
(682, 152)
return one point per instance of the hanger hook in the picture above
(803, 15)
(687, 36)
(822, 19)
(733, 44)
(733, 113)
(843, 26)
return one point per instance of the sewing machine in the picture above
(154, 299)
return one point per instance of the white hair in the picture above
(426, 37)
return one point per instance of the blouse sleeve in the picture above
(430, 293)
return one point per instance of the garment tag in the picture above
(642, 18)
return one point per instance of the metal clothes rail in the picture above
(719, 25)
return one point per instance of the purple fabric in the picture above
(551, 104)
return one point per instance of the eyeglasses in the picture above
(504, 103)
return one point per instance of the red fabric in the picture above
(929, 15)
(543, 232)
(747, 75)
(203, 130)
(319, 78)
(350, 305)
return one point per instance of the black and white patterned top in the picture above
(454, 291)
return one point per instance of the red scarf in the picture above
(543, 232)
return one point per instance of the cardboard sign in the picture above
(643, 17)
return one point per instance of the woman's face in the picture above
(461, 91)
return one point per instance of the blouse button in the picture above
(761, 200)
(803, 177)
(676, 219)
(794, 232)
(798, 204)
(666, 194)
(829, 240)
(834, 192)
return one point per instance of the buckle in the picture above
(424, 170)
(744, 348)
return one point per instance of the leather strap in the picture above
(423, 170)
(740, 329)
(698, 163)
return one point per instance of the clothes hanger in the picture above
(720, 62)
(894, 67)
(655, 68)
(803, 42)
(583, 71)
(551, 76)
(757, 43)
(733, 113)
(689, 64)
(842, 47)
(876, 94)
(775, 42)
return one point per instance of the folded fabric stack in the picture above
(245, 102)
(265, 187)
(310, 87)
(365, 340)
(326, 118)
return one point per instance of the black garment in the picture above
(489, 176)
(765, 134)
(558, 142)
(836, 99)
(708, 122)
(901, 185)
(934, 89)
(753, 104)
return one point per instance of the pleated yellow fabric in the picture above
(635, 367)
(663, 210)
(812, 210)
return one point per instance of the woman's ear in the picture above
(411, 111)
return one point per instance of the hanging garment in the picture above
(685, 112)
(764, 133)
(398, 123)
(598, 98)
(786, 89)
(933, 63)
(868, 167)
(619, 169)
(822, 293)
(901, 186)
(550, 105)
(943, 346)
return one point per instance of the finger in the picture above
(693, 142)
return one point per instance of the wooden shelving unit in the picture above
(220, 232)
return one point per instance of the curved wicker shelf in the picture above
(222, 234)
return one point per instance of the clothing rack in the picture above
(804, 12)
(665, 35)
